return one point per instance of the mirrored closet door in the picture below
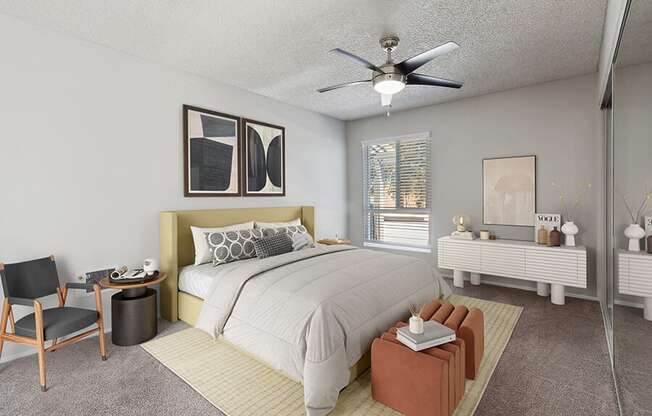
(631, 214)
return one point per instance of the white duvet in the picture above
(327, 304)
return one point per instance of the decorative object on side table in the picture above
(416, 321)
(542, 235)
(543, 224)
(648, 232)
(461, 223)
(554, 238)
(484, 235)
(634, 232)
(570, 229)
(134, 310)
(334, 241)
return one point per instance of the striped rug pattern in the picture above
(239, 384)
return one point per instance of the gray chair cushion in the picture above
(57, 322)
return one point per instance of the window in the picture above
(397, 192)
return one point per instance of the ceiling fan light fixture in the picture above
(389, 86)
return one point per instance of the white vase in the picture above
(416, 325)
(634, 232)
(570, 230)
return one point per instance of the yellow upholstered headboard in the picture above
(177, 248)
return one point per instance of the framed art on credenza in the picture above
(264, 159)
(509, 190)
(211, 153)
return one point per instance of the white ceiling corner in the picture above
(280, 48)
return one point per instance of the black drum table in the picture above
(133, 311)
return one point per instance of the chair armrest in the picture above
(73, 285)
(20, 301)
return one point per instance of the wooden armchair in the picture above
(23, 283)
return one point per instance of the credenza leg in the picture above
(647, 308)
(476, 278)
(543, 289)
(557, 294)
(458, 278)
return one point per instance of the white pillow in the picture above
(202, 252)
(278, 224)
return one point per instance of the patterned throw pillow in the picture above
(298, 233)
(273, 245)
(230, 246)
(291, 230)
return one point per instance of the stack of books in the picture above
(434, 334)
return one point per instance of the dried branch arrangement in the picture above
(568, 208)
(641, 208)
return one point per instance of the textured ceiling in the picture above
(279, 48)
(636, 43)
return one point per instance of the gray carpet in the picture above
(555, 364)
(633, 355)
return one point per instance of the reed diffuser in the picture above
(416, 322)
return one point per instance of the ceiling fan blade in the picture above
(346, 84)
(386, 99)
(412, 64)
(357, 59)
(420, 79)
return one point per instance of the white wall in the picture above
(91, 152)
(559, 122)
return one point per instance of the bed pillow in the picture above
(229, 246)
(202, 253)
(273, 245)
(262, 225)
(299, 234)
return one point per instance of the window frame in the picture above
(366, 210)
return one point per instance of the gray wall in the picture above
(92, 152)
(559, 122)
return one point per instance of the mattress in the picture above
(196, 280)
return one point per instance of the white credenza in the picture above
(635, 277)
(554, 267)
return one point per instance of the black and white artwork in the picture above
(264, 146)
(211, 153)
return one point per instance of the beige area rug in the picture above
(238, 384)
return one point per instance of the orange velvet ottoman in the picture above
(428, 382)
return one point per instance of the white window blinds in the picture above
(397, 192)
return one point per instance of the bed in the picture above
(310, 314)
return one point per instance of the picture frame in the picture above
(509, 190)
(212, 153)
(263, 158)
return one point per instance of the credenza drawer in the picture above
(635, 275)
(504, 261)
(554, 267)
(460, 256)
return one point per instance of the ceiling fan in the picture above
(390, 78)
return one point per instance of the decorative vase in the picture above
(554, 238)
(570, 230)
(542, 235)
(416, 325)
(649, 244)
(634, 232)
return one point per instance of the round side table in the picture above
(134, 309)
